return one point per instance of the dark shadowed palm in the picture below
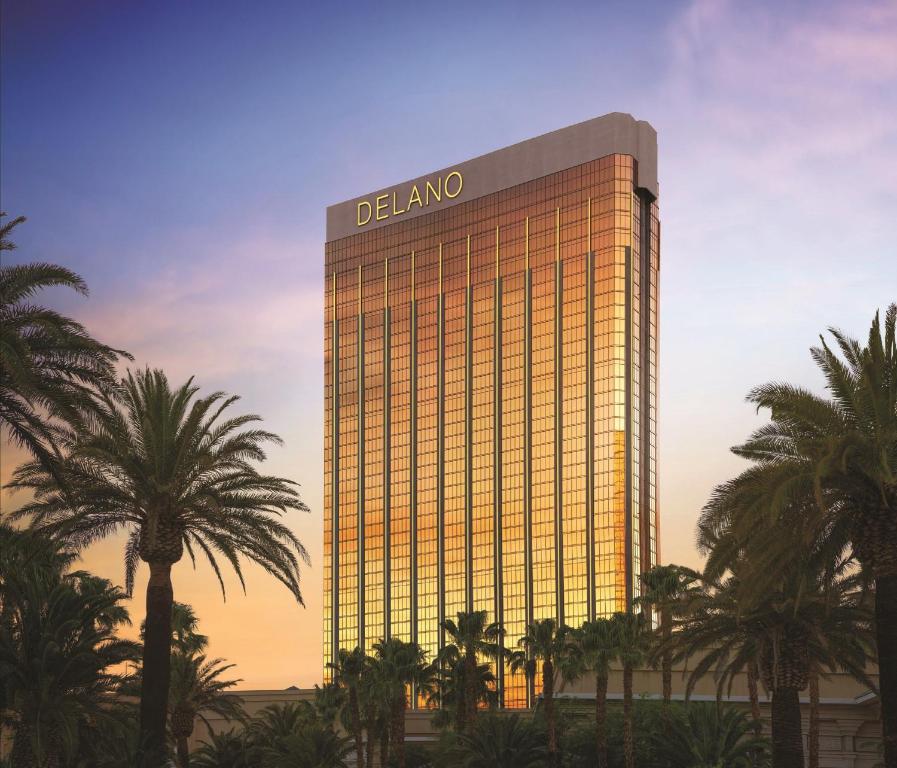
(50, 366)
(664, 589)
(598, 647)
(710, 736)
(501, 741)
(473, 638)
(547, 645)
(348, 671)
(402, 667)
(227, 749)
(452, 688)
(811, 620)
(841, 451)
(58, 650)
(198, 690)
(170, 469)
(631, 633)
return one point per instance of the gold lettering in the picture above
(367, 205)
(448, 178)
(382, 205)
(394, 211)
(415, 197)
(437, 191)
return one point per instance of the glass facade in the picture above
(490, 411)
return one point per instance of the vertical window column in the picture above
(497, 459)
(387, 421)
(558, 418)
(359, 366)
(590, 419)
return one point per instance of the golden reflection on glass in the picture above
(587, 240)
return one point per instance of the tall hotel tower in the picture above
(490, 391)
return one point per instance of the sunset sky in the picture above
(180, 156)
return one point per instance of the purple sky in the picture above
(180, 157)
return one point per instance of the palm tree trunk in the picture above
(356, 725)
(886, 641)
(601, 719)
(183, 752)
(753, 677)
(628, 748)
(470, 688)
(370, 722)
(787, 744)
(548, 696)
(384, 746)
(398, 732)
(666, 664)
(813, 728)
(156, 666)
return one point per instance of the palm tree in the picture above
(226, 749)
(811, 620)
(842, 452)
(664, 587)
(291, 736)
(59, 653)
(450, 691)
(471, 638)
(631, 633)
(50, 366)
(403, 667)
(500, 741)
(348, 671)
(169, 469)
(550, 645)
(197, 690)
(709, 736)
(376, 708)
(599, 645)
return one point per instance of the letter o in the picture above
(448, 178)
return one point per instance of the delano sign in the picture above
(386, 206)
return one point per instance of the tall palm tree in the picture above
(547, 645)
(59, 653)
(664, 588)
(197, 690)
(403, 667)
(167, 467)
(842, 451)
(811, 619)
(348, 671)
(599, 646)
(631, 633)
(473, 638)
(50, 366)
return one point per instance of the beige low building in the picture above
(850, 726)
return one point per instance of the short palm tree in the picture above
(474, 638)
(842, 452)
(598, 647)
(500, 741)
(631, 633)
(172, 471)
(225, 749)
(348, 671)
(664, 589)
(402, 667)
(710, 736)
(197, 690)
(50, 366)
(59, 653)
(452, 688)
(547, 645)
